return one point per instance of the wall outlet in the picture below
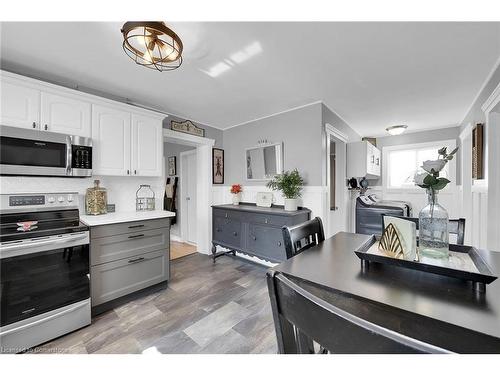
(110, 207)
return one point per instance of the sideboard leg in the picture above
(214, 250)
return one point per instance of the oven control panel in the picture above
(26, 200)
(49, 201)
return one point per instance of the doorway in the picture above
(188, 181)
(337, 213)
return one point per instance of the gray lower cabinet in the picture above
(128, 257)
(253, 230)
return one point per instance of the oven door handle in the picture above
(43, 245)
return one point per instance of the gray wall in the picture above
(419, 137)
(300, 131)
(475, 114)
(330, 117)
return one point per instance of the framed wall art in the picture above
(217, 166)
(172, 167)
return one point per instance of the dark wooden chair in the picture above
(303, 236)
(301, 318)
(455, 226)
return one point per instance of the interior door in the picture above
(337, 186)
(189, 184)
(110, 141)
(20, 105)
(64, 114)
(147, 146)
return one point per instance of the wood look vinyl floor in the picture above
(180, 249)
(206, 308)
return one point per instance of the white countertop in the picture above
(123, 217)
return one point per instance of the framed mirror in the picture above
(263, 162)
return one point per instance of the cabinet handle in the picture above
(137, 235)
(34, 125)
(373, 159)
(46, 127)
(279, 243)
(235, 234)
(128, 171)
(378, 161)
(135, 171)
(136, 260)
(226, 214)
(136, 226)
(254, 238)
(217, 229)
(265, 221)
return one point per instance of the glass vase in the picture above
(433, 228)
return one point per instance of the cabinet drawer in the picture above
(227, 231)
(119, 278)
(125, 228)
(227, 214)
(275, 220)
(107, 249)
(266, 241)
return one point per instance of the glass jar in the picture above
(145, 198)
(96, 200)
(433, 234)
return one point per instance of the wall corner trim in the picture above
(492, 100)
(466, 131)
(331, 130)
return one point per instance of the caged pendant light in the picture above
(152, 44)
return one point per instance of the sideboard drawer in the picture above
(227, 214)
(108, 249)
(266, 241)
(275, 220)
(227, 231)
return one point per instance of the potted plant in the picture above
(290, 184)
(433, 218)
(236, 190)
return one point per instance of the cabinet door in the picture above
(266, 242)
(116, 279)
(63, 114)
(19, 105)
(110, 141)
(147, 146)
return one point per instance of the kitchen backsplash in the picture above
(121, 190)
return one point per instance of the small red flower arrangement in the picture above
(236, 189)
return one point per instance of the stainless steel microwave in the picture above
(27, 152)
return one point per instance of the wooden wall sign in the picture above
(187, 127)
(477, 152)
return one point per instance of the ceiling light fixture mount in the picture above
(396, 129)
(152, 44)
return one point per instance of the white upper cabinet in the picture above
(110, 141)
(147, 146)
(19, 104)
(65, 114)
(363, 160)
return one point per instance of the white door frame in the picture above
(331, 131)
(204, 184)
(491, 109)
(182, 196)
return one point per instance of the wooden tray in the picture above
(474, 267)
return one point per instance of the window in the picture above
(402, 162)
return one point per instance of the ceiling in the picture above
(373, 75)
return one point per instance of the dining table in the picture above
(439, 310)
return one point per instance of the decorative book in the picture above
(390, 242)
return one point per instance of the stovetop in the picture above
(54, 213)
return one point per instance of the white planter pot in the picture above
(290, 204)
(236, 199)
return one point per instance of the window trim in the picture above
(452, 165)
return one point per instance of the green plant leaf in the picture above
(429, 180)
(442, 151)
(441, 183)
(289, 183)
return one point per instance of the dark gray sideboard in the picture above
(253, 230)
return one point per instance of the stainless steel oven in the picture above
(44, 269)
(40, 153)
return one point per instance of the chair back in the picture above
(455, 226)
(301, 318)
(303, 236)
